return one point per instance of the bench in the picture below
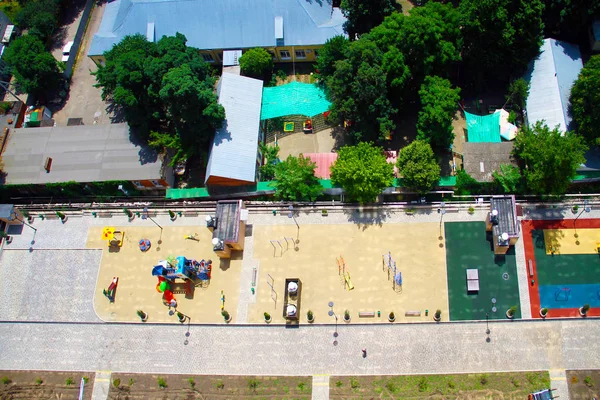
(51, 216)
(104, 214)
(366, 314)
(190, 213)
(530, 268)
(412, 314)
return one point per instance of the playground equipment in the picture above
(192, 236)
(345, 274)
(307, 126)
(145, 244)
(393, 273)
(291, 299)
(183, 268)
(288, 127)
(114, 237)
(111, 291)
(222, 300)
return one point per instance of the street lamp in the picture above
(13, 216)
(441, 211)
(333, 314)
(146, 215)
(291, 215)
(122, 189)
(487, 323)
(587, 209)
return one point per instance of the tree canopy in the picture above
(569, 19)
(585, 101)
(34, 69)
(509, 178)
(518, 92)
(501, 36)
(362, 16)
(548, 161)
(358, 92)
(165, 92)
(40, 17)
(418, 167)
(295, 180)
(271, 155)
(439, 102)
(362, 171)
(332, 51)
(256, 63)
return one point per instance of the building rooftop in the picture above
(235, 146)
(551, 76)
(223, 24)
(85, 153)
(481, 159)
(228, 215)
(507, 217)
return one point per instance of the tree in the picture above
(362, 171)
(332, 51)
(585, 98)
(40, 17)
(439, 102)
(466, 184)
(165, 91)
(569, 19)
(418, 167)
(518, 92)
(429, 40)
(509, 179)
(501, 36)
(34, 69)
(271, 155)
(358, 93)
(548, 159)
(257, 63)
(295, 180)
(362, 16)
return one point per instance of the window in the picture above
(208, 57)
(138, 184)
(300, 54)
(284, 54)
(316, 53)
(157, 183)
(272, 53)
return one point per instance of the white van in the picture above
(67, 51)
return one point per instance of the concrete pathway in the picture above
(101, 385)
(558, 381)
(275, 350)
(320, 387)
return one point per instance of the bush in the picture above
(471, 210)
(588, 381)
(339, 384)
(267, 315)
(483, 379)
(512, 311)
(253, 384)
(69, 381)
(131, 382)
(219, 384)
(161, 383)
(39, 381)
(86, 379)
(423, 384)
(256, 63)
(354, 383)
(585, 308)
(117, 382)
(6, 380)
(192, 382)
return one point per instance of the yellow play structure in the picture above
(345, 274)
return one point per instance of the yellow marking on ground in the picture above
(102, 380)
(558, 378)
(104, 372)
(564, 241)
(321, 384)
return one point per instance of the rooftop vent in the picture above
(278, 28)
(150, 32)
(494, 217)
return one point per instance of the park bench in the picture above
(254, 276)
(530, 268)
(104, 214)
(366, 314)
(412, 314)
(51, 216)
(190, 213)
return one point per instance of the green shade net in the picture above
(292, 99)
(483, 129)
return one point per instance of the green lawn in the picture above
(468, 246)
(513, 385)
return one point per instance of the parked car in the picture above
(67, 51)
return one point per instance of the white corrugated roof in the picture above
(235, 145)
(551, 77)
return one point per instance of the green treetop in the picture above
(548, 161)
(295, 180)
(418, 167)
(362, 171)
(362, 16)
(257, 63)
(585, 101)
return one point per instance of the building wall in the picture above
(281, 54)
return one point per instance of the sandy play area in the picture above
(572, 241)
(415, 248)
(137, 287)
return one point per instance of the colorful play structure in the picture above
(389, 264)
(345, 274)
(112, 288)
(188, 270)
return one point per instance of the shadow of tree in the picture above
(366, 218)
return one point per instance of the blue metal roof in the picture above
(235, 145)
(220, 24)
(551, 76)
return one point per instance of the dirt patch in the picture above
(584, 384)
(172, 387)
(513, 385)
(44, 385)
